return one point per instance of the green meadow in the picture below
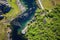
(50, 4)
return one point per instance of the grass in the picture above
(47, 4)
(57, 2)
(14, 11)
(8, 17)
(50, 4)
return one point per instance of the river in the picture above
(19, 23)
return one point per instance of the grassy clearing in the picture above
(47, 4)
(57, 2)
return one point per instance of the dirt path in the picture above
(41, 4)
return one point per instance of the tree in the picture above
(48, 31)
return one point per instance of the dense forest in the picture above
(45, 27)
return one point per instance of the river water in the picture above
(20, 22)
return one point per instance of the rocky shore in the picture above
(22, 8)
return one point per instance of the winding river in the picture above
(18, 24)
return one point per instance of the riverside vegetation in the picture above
(45, 27)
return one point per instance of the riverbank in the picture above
(7, 18)
(14, 11)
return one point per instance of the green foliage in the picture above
(50, 30)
